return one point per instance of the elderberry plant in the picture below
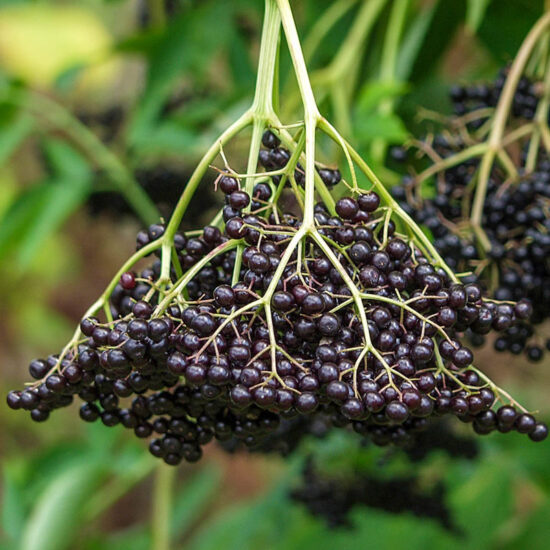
(491, 214)
(291, 303)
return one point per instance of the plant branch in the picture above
(162, 507)
(499, 122)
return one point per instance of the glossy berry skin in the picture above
(128, 280)
(513, 221)
(251, 340)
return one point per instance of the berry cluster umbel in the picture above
(264, 318)
(515, 220)
(470, 98)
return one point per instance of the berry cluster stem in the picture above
(311, 112)
(499, 124)
(162, 506)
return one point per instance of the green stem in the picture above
(162, 507)
(541, 119)
(311, 112)
(277, 78)
(324, 24)
(347, 54)
(179, 286)
(385, 195)
(453, 160)
(389, 68)
(499, 123)
(262, 106)
(196, 178)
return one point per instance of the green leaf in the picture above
(65, 161)
(373, 93)
(184, 47)
(55, 518)
(444, 25)
(413, 39)
(387, 126)
(257, 524)
(219, 532)
(13, 504)
(39, 324)
(475, 12)
(134, 539)
(481, 499)
(190, 504)
(166, 138)
(19, 216)
(244, 74)
(534, 532)
(506, 24)
(39, 211)
(13, 130)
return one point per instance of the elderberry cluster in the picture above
(275, 157)
(469, 98)
(352, 323)
(516, 221)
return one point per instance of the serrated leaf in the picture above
(55, 518)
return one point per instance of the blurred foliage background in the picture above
(105, 106)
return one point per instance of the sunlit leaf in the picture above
(387, 126)
(39, 211)
(184, 46)
(191, 502)
(505, 25)
(13, 130)
(413, 39)
(372, 94)
(55, 518)
(38, 41)
(475, 12)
